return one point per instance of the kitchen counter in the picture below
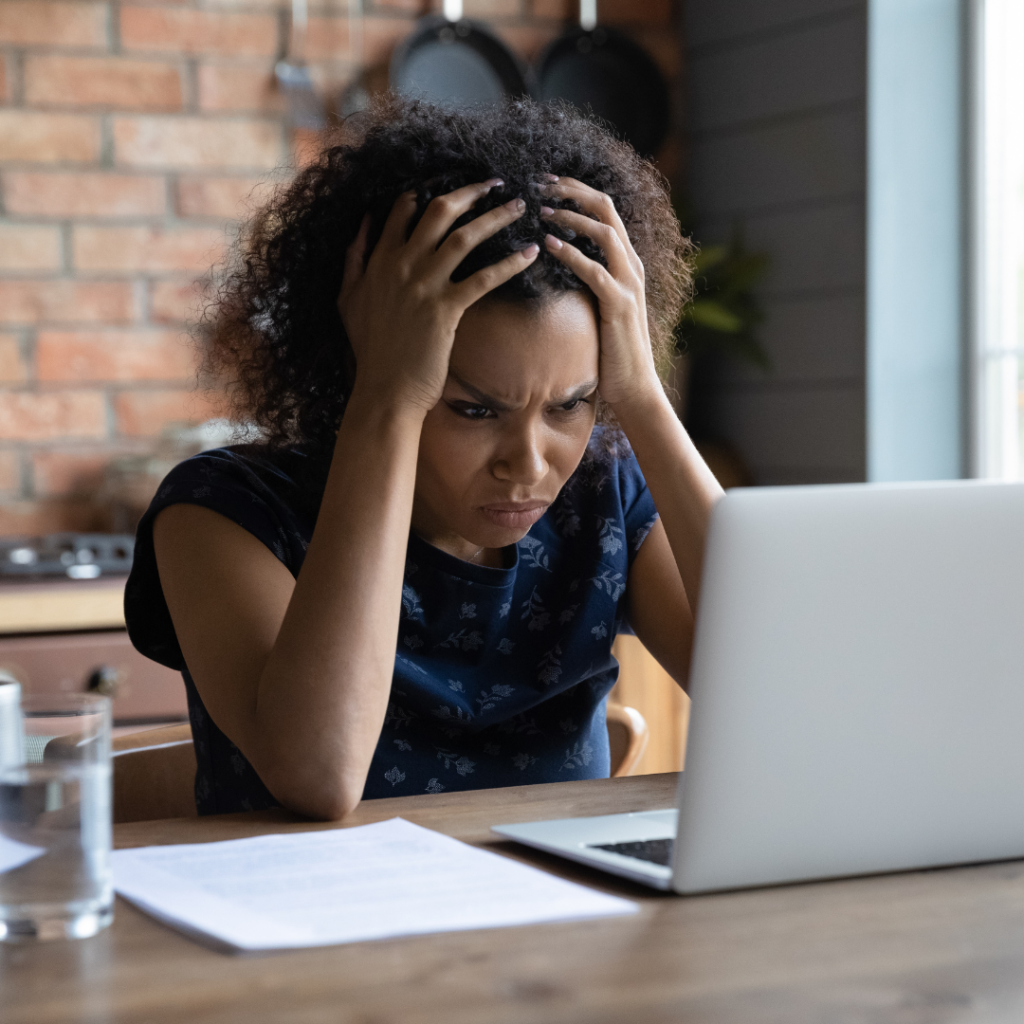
(57, 606)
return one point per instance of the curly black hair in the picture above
(273, 331)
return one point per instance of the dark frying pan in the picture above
(454, 62)
(598, 68)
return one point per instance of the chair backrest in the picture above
(627, 737)
(154, 774)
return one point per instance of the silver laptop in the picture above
(858, 694)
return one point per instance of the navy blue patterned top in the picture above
(501, 675)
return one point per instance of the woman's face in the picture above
(512, 424)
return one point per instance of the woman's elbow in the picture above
(328, 798)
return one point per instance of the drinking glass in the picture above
(55, 817)
(11, 752)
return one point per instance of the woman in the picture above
(427, 325)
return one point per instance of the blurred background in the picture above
(853, 172)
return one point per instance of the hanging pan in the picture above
(598, 68)
(454, 62)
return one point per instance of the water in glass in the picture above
(55, 822)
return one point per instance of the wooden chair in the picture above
(154, 774)
(627, 737)
(154, 770)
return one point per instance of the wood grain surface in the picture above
(938, 947)
(51, 606)
(643, 684)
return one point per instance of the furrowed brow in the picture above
(578, 393)
(480, 396)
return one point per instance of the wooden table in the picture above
(938, 947)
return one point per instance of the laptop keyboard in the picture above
(655, 851)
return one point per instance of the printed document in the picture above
(345, 885)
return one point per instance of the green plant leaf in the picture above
(708, 258)
(711, 314)
(725, 311)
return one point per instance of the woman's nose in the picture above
(521, 461)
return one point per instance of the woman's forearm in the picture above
(324, 691)
(683, 488)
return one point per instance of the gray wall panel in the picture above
(813, 248)
(799, 431)
(713, 21)
(816, 66)
(814, 339)
(820, 156)
(777, 117)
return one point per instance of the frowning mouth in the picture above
(514, 515)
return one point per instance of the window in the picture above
(998, 159)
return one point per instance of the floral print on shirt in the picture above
(501, 675)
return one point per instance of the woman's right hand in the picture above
(401, 311)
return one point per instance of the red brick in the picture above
(561, 10)
(5, 91)
(262, 5)
(10, 471)
(612, 12)
(53, 516)
(231, 198)
(174, 302)
(53, 24)
(636, 12)
(29, 247)
(35, 136)
(144, 249)
(187, 142)
(528, 41)
(410, 6)
(84, 194)
(28, 302)
(150, 413)
(487, 9)
(113, 355)
(12, 367)
(306, 146)
(101, 82)
(238, 87)
(190, 31)
(381, 36)
(68, 473)
(31, 416)
(327, 39)
(662, 48)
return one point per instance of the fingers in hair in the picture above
(591, 273)
(477, 285)
(461, 242)
(602, 235)
(443, 211)
(393, 235)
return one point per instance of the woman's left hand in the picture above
(627, 373)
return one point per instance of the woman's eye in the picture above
(574, 406)
(470, 411)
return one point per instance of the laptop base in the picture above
(587, 840)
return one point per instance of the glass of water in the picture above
(55, 817)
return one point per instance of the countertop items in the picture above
(76, 556)
(935, 944)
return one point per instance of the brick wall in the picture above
(131, 138)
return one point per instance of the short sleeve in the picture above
(244, 489)
(638, 511)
